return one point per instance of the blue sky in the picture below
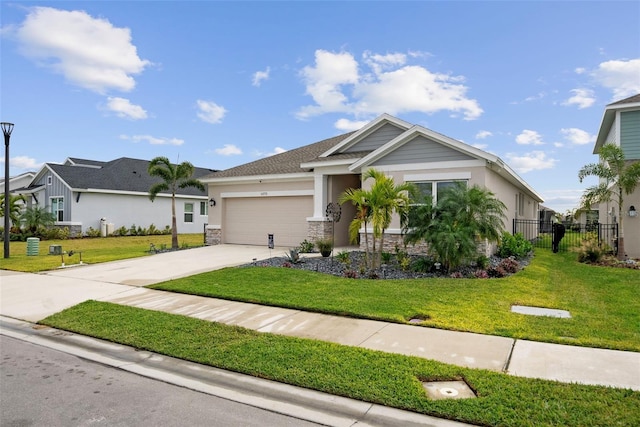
(224, 83)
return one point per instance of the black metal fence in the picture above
(543, 233)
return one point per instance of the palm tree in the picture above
(385, 198)
(359, 198)
(15, 208)
(174, 177)
(453, 227)
(36, 217)
(617, 178)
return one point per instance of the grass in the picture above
(603, 302)
(94, 250)
(387, 379)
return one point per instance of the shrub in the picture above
(456, 275)
(482, 262)
(293, 256)
(422, 265)
(590, 251)
(385, 257)
(122, 231)
(481, 274)
(324, 246)
(514, 245)
(306, 247)
(509, 265)
(92, 232)
(496, 272)
(350, 274)
(343, 257)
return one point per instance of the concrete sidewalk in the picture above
(32, 297)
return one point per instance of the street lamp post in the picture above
(7, 128)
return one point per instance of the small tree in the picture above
(453, 227)
(359, 198)
(174, 177)
(15, 208)
(617, 178)
(36, 218)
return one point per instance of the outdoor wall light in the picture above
(632, 211)
(212, 202)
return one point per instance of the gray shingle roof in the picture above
(123, 174)
(287, 162)
(630, 100)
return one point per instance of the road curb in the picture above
(310, 405)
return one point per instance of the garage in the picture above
(249, 220)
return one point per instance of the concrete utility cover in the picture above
(538, 311)
(438, 390)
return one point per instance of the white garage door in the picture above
(250, 220)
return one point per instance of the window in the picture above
(188, 212)
(520, 205)
(49, 180)
(204, 211)
(426, 189)
(57, 208)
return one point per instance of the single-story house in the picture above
(16, 182)
(287, 194)
(85, 193)
(621, 125)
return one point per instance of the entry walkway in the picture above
(32, 297)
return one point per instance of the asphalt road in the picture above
(44, 387)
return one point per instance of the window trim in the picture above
(188, 212)
(59, 204)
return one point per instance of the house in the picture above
(621, 125)
(286, 195)
(88, 193)
(15, 183)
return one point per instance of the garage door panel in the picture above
(249, 220)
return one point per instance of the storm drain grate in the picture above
(438, 390)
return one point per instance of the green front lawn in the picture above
(386, 379)
(603, 302)
(94, 250)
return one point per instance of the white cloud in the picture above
(535, 160)
(23, 162)
(483, 134)
(622, 77)
(152, 140)
(577, 136)
(562, 200)
(228, 150)
(276, 150)
(336, 85)
(125, 109)
(349, 125)
(210, 112)
(583, 98)
(529, 137)
(260, 76)
(580, 70)
(90, 53)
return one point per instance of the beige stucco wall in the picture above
(632, 226)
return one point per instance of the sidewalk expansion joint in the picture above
(505, 368)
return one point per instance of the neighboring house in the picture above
(87, 193)
(16, 184)
(621, 125)
(287, 194)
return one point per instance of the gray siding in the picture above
(422, 150)
(630, 134)
(56, 189)
(377, 139)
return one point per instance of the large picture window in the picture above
(188, 212)
(435, 189)
(57, 208)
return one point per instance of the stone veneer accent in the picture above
(213, 236)
(420, 248)
(75, 230)
(321, 229)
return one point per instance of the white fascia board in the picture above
(277, 193)
(608, 118)
(340, 162)
(302, 176)
(134, 193)
(367, 130)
